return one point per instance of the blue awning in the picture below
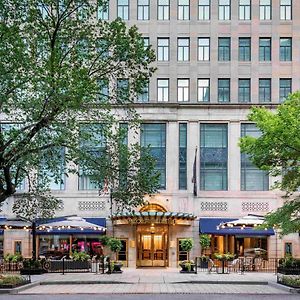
(97, 221)
(209, 226)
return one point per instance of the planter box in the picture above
(185, 269)
(288, 271)
(68, 265)
(12, 286)
(32, 271)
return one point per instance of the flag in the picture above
(194, 179)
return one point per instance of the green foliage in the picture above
(277, 150)
(13, 258)
(204, 240)
(80, 256)
(289, 262)
(11, 279)
(187, 244)
(224, 256)
(104, 240)
(114, 245)
(293, 281)
(32, 264)
(187, 264)
(51, 81)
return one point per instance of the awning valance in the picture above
(211, 226)
(158, 217)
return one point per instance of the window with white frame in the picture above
(285, 9)
(183, 9)
(203, 49)
(204, 10)
(162, 49)
(162, 90)
(123, 9)
(224, 9)
(163, 9)
(183, 90)
(103, 11)
(203, 90)
(143, 9)
(265, 9)
(183, 49)
(245, 10)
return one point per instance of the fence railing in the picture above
(238, 265)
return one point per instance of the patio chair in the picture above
(234, 265)
(248, 264)
(211, 266)
(258, 263)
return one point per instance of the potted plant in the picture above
(115, 246)
(204, 240)
(32, 267)
(224, 257)
(187, 266)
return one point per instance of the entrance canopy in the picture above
(215, 226)
(157, 217)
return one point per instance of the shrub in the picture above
(81, 256)
(114, 245)
(224, 256)
(204, 241)
(11, 280)
(187, 244)
(104, 240)
(13, 258)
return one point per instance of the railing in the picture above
(238, 265)
(10, 267)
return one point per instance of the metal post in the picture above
(111, 212)
(63, 260)
(33, 240)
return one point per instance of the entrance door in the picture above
(152, 247)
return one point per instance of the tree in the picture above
(277, 150)
(57, 64)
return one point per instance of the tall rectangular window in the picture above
(162, 90)
(203, 90)
(252, 178)
(103, 11)
(286, 49)
(154, 136)
(183, 9)
(183, 90)
(183, 49)
(143, 10)
(224, 90)
(122, 90)
(244, 49)
(203, 49)
(123, 9)
(265, 9)
(103, 85)
(245, 10)
(143, 96)
(93, 143)
(182, 156)
(285, 88)
(285, 9)
(213, 157)
(224, 49)
(204, 10)
(224, 9)
(265, 90)
(163, 9)
(163, 49)
(265, 49)
(244, 90)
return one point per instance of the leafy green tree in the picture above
(58, 62)
(277, 150)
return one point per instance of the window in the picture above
(244, 49)
(154, 136)
(163, 49)
(182, 254)
(123, 9)
(285, 49)
(264, 90)
(224, 10)
(122, 255)
(224, 90)
(252, 178)
(285, 9)
(265, 49)
(163, 9)
(18, 247)
(103, 11)
(146, 41)
(213, 157)
(183, 90)
(144, 95)
(162, 90)
(204, 10)
(244, 90)
(203, 49)
(103, 90)
(143, 10)
(93, 143)
(122, 90)
(288, 249)
(203, 90)
(245, 10)
(182, 156)
(183, 9)
(224, 49)
(183, 49)
(265, 9)
(285, 88)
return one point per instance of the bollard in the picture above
(63, 265)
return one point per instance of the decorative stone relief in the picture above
(214, 206)
(255, 206)
(91, 205)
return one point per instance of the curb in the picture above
(82, 282)
(223, 282)
(19, 289)
(285, 288)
